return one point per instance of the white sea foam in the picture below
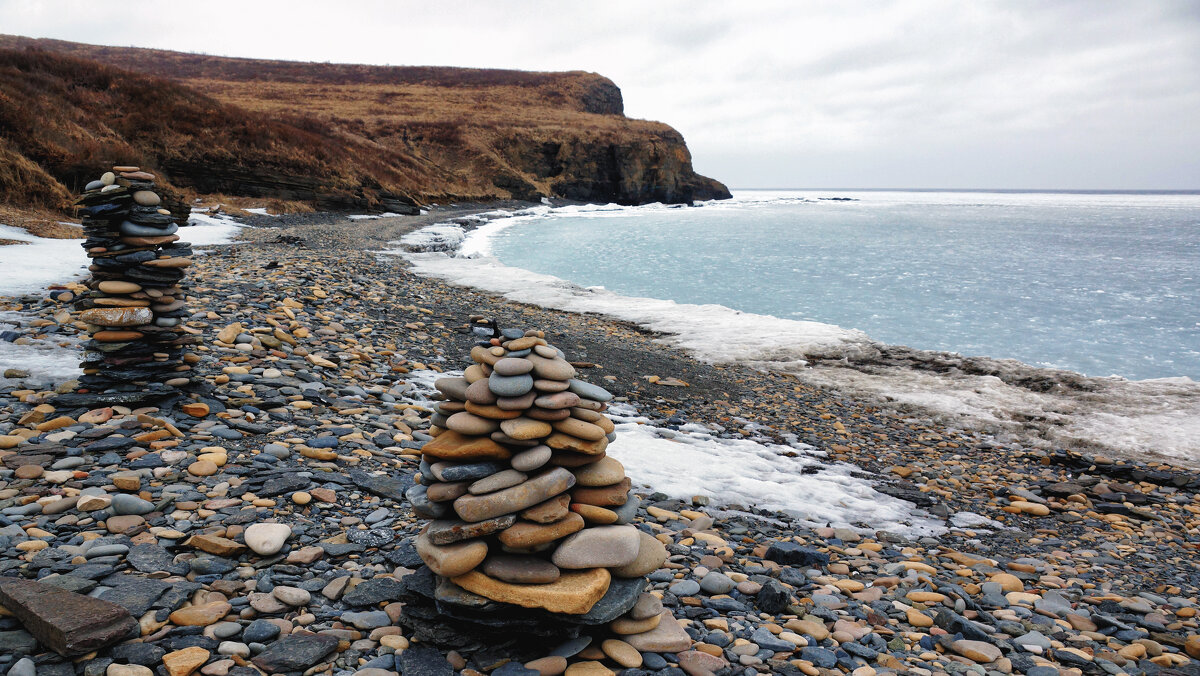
(31, 267)
(1147, 419)
(792, 479)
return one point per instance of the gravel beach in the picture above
(258, 526)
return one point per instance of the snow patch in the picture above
(206, 230)
(31, 267)
(47, 361)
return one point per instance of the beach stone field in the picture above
(342, 487)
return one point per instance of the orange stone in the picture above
(574, 593)
(195, 409)
(523, 534)
(451, 445)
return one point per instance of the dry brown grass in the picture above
(39, 222)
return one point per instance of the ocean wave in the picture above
(1155, 419)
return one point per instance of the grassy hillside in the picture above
(341, 136)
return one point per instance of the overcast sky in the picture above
(926, 93)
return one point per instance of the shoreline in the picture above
(1140, 420)
(1063, 525)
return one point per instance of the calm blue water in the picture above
(1099, 284)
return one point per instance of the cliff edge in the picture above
(337, 136)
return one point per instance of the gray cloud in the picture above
(922, 93)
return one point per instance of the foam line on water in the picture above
(1145, 420)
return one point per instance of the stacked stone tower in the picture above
(136, 307)
(527, 508)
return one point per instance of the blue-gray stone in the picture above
(717, 583)
(372, 619)
(510, 386)
(572, 648)
(685, 588)
(471, 471)
(322, 442)
(627, 511)
(134, 230)
(826, 659)
(422, 505)
(124, 503)
(260, 631)
(790, 553)
(589, 391)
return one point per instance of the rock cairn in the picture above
(527, 508)
(136, 306)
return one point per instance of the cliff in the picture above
(338, 136)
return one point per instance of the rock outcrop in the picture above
(341, 137)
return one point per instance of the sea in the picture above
(1048, 318)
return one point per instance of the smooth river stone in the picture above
(108, 178)
(491, 412)
(147, 198)
(118, 287)
(479, 393)
(526, 535)
(652, 554)
(117, 336)
(451, 445)
(594, 515)
(447, 531)
(527, 428)
(667, 637)
(557, 400)
(150, 241)
(474, 373)
(453, 559)
(455, 388)
(521, 569)
(496, 482)
(578, 428)
(572, 459)
(527, 461)
(93, 185)
(514, 499)
(595, 417)
(551, 369)
(510, 386)
(605, 472)
(449, 471)
(524, 343)
(513, 367)
(548, 414)
(131, 229)
(592, 405)
(555, 509)
(574, 593)
(603, 496)
(589, 391)
(550, 385)
(471, 424)
(117, 316)
(565, 442)
(605, 546)
(445, 492)
(516, 403)
(547, 351)
(502, 438)
(487, 356)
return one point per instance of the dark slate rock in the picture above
(790, 553)
(772, 598)
(145, 654)
(135, 594)
(296, 652)
(150, 558)
(260, 631)
(384, 486)
(373, 591)
(423, 659)
(69, 624)
(278, 485)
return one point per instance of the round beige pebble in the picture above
(622, 653)
(202, 468)
(301, 498)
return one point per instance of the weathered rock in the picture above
(667, 637)
(454, 559)
(574, 593)
(69, 624)
(606, 546)
(514, 499)
(295, 652)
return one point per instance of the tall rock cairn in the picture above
(136, 306)
(528, 510)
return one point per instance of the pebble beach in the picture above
(259, 525)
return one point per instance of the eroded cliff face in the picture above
(348, 136)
